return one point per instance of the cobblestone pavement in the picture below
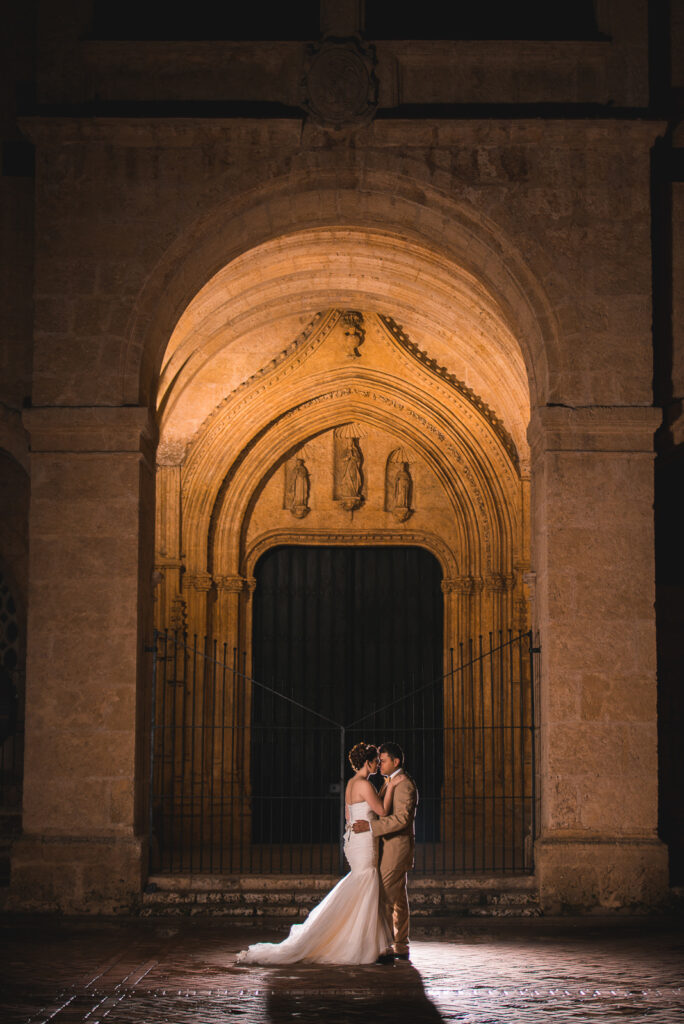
(144, 972)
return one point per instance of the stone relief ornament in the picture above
(171, 453)
(399, 485)
(178, 614)
(340, 87)
(348, 467)
(354, 332)
(297, 488)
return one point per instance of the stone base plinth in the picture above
(292, 897)
(599, 875)
(99, 875)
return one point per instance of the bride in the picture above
(346, 927)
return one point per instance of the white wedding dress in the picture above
(345, 927)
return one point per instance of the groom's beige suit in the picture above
(397, 845)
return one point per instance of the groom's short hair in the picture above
(394, 751)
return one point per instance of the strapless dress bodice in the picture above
(360, 812)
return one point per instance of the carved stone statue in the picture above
(299, 489)
(354, 332)
(352, 481)
(402, 493)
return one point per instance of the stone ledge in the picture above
(90, 428)
(596, 428)
(292, 897)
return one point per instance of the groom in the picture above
(397, 830)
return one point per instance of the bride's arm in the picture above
(387, 802)
(370, 795)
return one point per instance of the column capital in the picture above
(596, 428)
(200, 581)
(459, 585)
(499, 581)
(234, 584)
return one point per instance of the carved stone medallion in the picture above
(340, 89)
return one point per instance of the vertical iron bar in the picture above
(504, 740)
(342, 800)
(221, 809)
(192, 751)
(473, 812)
(492, 749)
(236, 809)
(523, 820)
(164, 772)
(177, 751)
(533, 736)
(514, 791)
(462, 750)
(153, 720)
(483, 782)
(202, 727)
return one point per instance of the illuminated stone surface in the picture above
(186, 972)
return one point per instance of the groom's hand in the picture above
(360, 826)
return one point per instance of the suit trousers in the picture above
(397, 858)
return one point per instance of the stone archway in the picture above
(351, 434)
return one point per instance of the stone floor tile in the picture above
(144, 972)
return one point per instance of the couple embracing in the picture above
(365, 918)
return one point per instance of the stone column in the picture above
(227, 610)
(84, 846)
(594, 562)
(196, 587)
(170, 605)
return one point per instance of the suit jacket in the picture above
(398, 828)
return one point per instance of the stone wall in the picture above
(530, 242)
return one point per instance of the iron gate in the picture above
(246, 779)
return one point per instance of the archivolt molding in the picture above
(377, 189)
(352, 538)
(276, 370)
(475, 506)
(229, 433)
(441, 371)
(484, 537)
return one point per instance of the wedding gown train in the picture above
(346, 927)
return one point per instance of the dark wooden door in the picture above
(347, 633)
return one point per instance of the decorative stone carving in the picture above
(200, 581)
(178, 614)
(348, 467)
(233, 584)
(171, 453)
(397, 332)
(398, 485)
(297, 486)
(354, 331)
(353, 537)
(340, 87)
(495, 581)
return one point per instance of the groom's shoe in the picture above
(385, 959)
(402, 956)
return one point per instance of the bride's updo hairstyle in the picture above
(360, 753)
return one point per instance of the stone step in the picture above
(292, 897)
